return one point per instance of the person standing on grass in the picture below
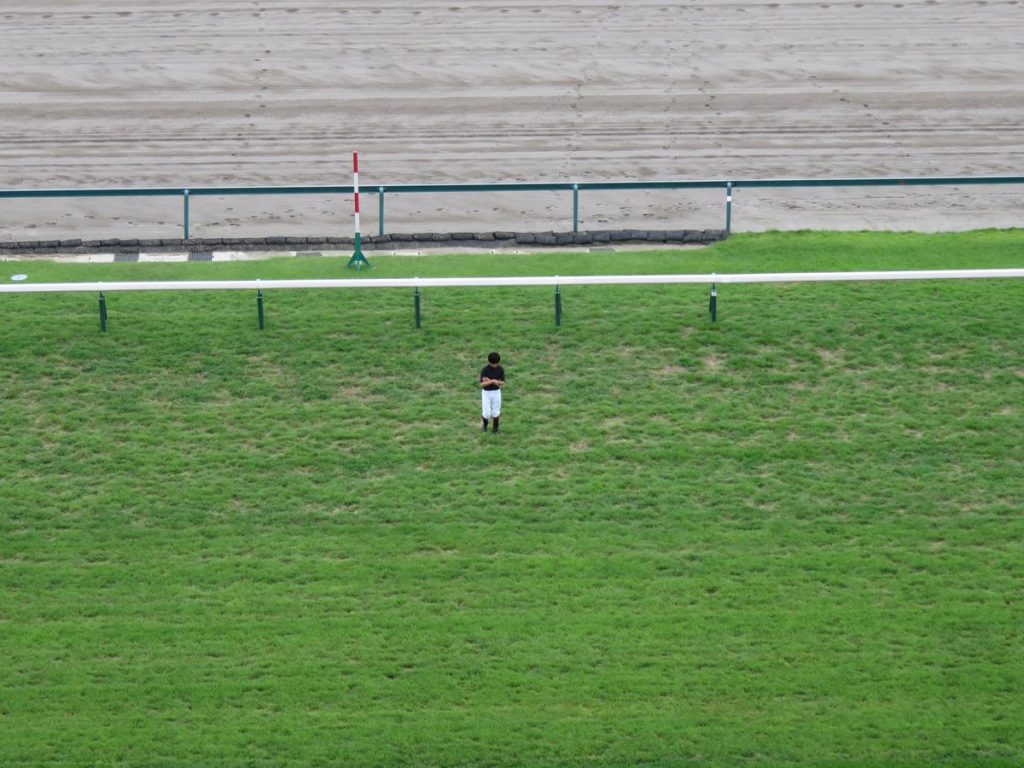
(492, 379)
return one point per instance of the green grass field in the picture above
(792, 537)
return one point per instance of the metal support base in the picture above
(358, 260)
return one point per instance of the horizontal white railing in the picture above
(556, 280)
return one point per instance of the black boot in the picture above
(485, 425)
(495, 423)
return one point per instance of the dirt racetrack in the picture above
(236, 92)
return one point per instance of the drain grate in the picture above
(126, 256)
(200, 255)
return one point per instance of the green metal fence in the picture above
(575, 188)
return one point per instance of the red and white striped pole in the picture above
(358, 259)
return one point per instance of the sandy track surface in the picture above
(188, 93)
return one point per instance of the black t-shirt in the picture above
(492, 372)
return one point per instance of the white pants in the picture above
(491, 401)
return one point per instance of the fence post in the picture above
(416, 305)
(575, 207)
(728, 208)
(558, 307)
(185, 203)
(713, 301)
(380, 213)
(259, 306)
(103, 313)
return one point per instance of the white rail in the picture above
(557, 280)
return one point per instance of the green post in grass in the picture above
(416, 305)
(558, 306)
(103, 313)
(713, 302)
(259, 306)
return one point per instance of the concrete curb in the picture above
(202, 249)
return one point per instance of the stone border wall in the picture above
(395, 241)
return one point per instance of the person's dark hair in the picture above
(493, 358)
